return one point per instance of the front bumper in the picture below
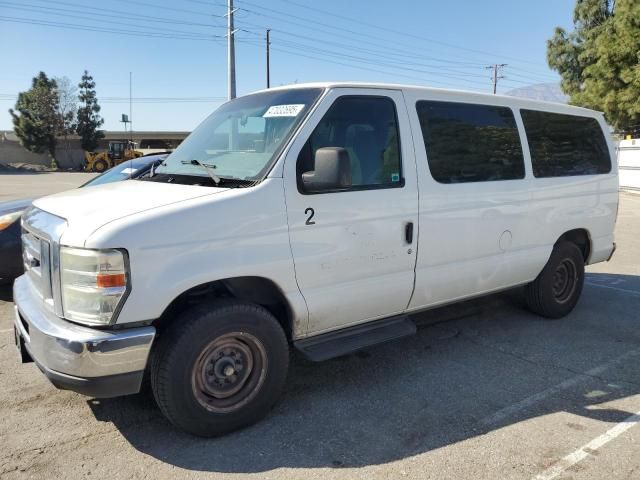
(99, 363)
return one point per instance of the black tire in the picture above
(215, 346)
(100, 166)
(556, 290)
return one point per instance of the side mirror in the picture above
(332, 170)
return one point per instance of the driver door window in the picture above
(367, 128)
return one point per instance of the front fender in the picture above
(237, 233)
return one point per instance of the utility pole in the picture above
(130, 107)
(495, 77)
(268, 64)
(231, 51)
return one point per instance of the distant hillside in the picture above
(548, 92)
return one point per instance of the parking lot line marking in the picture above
(626, 290)
(7, 330)
(585, 451)
(506, 412)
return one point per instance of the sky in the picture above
(176, 50)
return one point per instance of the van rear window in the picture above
(470, 143)
(565, 145)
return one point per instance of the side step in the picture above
(351, 339)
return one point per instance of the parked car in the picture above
(10, 246)
(11, 263)
(316, 217)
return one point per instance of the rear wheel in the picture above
(556, 290)
(219, 367)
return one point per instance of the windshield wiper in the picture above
(206, 166)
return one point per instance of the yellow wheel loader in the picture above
(118, 152)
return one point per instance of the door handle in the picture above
(408, 233)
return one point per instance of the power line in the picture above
(160, 7)
(63, 12)
(72, 26)
(451, 68)
(354, 59)
(393, 73)
(549, 76)
(380, 49)
(390, 58)
(371, 39)
(439, 72)
(211, 4)
(314, 22)
(383, 58)
(108, 12)
(359, 21)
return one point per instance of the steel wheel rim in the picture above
(229, 372)
(564, 280)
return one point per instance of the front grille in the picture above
(41, 234)
(36, 257)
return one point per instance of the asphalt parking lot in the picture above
(18, 185)
(485, 390)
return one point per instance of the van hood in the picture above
(87, 209)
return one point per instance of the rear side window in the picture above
(470, 143)
(565, 145)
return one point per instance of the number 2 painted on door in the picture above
(309, 211)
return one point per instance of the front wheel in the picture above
(556, 290)
(100, 166)
(219, 367)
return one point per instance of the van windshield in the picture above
(241, 138)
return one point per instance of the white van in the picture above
(316, 217)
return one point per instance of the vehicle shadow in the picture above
(6, 292)
(472, 368)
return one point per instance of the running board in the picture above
(351, 339)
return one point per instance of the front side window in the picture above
(239, 141)
(367, 128)
(470, 143)
(565, 145)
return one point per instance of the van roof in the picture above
(452, 93)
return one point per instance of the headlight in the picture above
(9, 218)
(94, 284)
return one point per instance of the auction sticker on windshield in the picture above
(284, 110)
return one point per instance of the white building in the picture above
(629, 164)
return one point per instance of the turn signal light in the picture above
(108, 280)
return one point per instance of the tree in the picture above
(599, 61)
(89, 119)
(67, 108)
(36, 121)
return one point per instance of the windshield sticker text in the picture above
(284, 110)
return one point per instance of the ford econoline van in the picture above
(313, 217)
